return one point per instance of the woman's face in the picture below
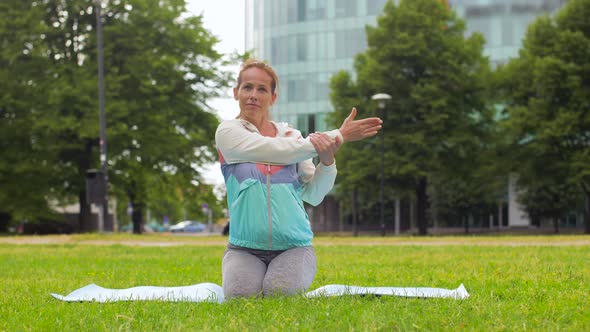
(254, 93)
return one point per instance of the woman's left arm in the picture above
(319, 180)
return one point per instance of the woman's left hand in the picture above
(325, 146)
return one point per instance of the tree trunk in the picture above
(556, 225)
(397, 220)
(587, 230)
(5, 219)
(85, 214)
(137, 217)
(136, 213)
(355, 228)
(421, 198)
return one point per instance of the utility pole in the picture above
(382, 98)
(102, 120)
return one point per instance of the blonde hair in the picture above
(254, 63)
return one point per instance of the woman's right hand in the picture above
(355, 130)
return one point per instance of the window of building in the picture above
(315, 9)
(267, 14)
(323, 45)
(311, 128)
(275, 9)
(375, 7)
(279, 47)
(301, 10)
(297, 89)
(302, 124)
(292, 49)
(291, 87)
(301, 47)
(481, 25)
(306, 124)
(507, 31)
(323, 86)
(256, 11)
(345, 8)
(274, 51)
(311, 85)
(311, 46)
(350, 42)
(282, 14)
(320, 119)
(292, 11)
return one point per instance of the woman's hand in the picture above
(355, 130)
(325, 146)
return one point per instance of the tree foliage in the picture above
(25, 169)
(547, 91)
(160, 70)
(438, 117)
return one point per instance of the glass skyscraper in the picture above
(503, 23)
(307, 41)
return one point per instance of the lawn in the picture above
(516, 284)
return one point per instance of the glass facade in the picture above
(307, 41)
(503, 23)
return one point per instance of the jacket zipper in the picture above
(268, 206)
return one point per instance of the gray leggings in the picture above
(250, 272)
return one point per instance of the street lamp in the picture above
(382, 99)
(103, 137)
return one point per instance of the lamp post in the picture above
(103, 138)
(382, 99)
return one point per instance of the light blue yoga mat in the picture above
(209, 292)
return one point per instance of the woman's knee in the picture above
(291, 272)
(242, 274)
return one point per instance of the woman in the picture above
(268, 174)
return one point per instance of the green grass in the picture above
(515, 283)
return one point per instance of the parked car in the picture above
(188, 226)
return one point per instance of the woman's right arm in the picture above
(238, 144)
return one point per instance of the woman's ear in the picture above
(274, 98)
(236, 93)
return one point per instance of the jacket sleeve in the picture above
(238, 144)
(317, 181)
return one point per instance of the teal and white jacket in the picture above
(267, 179)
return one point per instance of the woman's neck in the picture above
(263, 124)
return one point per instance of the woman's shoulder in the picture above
(229, 123)
(285, 130)
(233, 123)
(236, 126)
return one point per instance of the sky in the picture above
(225, 20)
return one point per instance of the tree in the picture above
(419, 55)
(351, 157)
(25, 169)
(160, 72)
(160, 69)
(545, 199)
(547, 91)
